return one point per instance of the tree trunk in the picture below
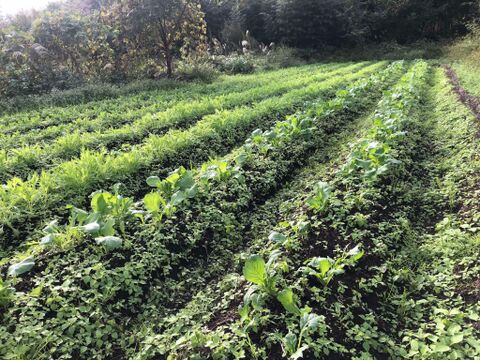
(168, 61)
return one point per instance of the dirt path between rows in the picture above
(463, 95)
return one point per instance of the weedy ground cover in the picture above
(468, 75)
(201, 206)
(285, 249)
(347, 227)
(353, 298)
(71, 182)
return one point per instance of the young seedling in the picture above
(320, 200)
(324, 269)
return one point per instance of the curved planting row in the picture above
(57, 115)
(24, 203)
(87, 297)
(300, 296)
(22, 161)
(101, 115)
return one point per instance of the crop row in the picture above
(295, 299)
(100, 116)
(21, 162)
(132, 106)
(190, 215)
(24, 203)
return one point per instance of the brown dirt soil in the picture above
(469, 100)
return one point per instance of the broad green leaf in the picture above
(364, 164)
(173, 178)
(36, 292)
(178, 198)
(287, 299)
(356, 253)
(309, 322)
(322, 264)
(186, 181)
(110, 242)
(79, 215)
(51, 227)
(21, 267)
(257, 301)
(254, 270)
(47, 239)
(153, 181)
(324, 187)
(241, 159)
(91, 227)
(243, 311)
(153, 202)
(191, 192)
(257, 132)
(440, 348)
(303, 226)
(299, 352)
(456, 339)
(453, 329)
(252, 297)
(277, 237)
(99, 203)
(106, 228)
(290, 342)
(209, 174)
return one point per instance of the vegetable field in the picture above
(326, 211)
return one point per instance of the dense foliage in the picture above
(281, 210)
(74, 42)
(122, 252)
(309, 24)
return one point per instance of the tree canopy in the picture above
(77, 40)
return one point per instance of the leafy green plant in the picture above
(324, 269)
(256, 271)
(292, 344)
(177, 188)
(371, 158)
(109, 242)
(320, 200)
(287, 298)
(281, 132)
(221, 170)
(21, 267)
(6, 293)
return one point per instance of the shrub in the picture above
(197, 69)
(283, 57)
(236, 64)
(468, 48)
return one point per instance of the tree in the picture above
(305, 23)
(64, 35)
(166, 26)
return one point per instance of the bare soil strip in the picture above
(464, 96)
